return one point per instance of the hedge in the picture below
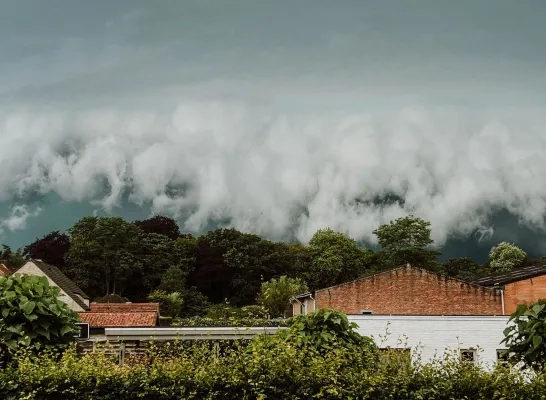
(267, 368)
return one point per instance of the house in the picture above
(405, 290)
(111, 315)
(522, 286)
(71, 294)
(4, 270)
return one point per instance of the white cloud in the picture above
(274, 174)
(17, 219)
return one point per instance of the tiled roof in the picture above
(4, 271)
(124, 307)
(117, 319)
(519, 274)
(63, 282)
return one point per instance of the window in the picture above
(502, 356)
(468, 356)
(366, 312)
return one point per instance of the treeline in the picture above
(136, 260)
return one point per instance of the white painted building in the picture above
(431, 337)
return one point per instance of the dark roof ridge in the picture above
(64, 282)
(520, 274)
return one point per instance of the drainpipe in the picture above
(501, 289)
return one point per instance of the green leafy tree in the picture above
(52, 249)
(406, 240)
(335, 258)
(32, 316)
(195, 303)
(170, 304)
(275, 294)
(12, 259)
(104, 254)
(525, 337)
(463, 268)
(506, 256)
(173, 280)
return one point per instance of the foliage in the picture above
(263, 369)
(275, 294)
(170, 304)
(325, 329)
(227, 311)
(506, 256)
(173, 280)
(52, 249)
(406, 240)
(32, 315)
(463, 268)
(103, 254)
(12, 259)
(334, 258)
(194, 303)
(525, 338)
(160, 225)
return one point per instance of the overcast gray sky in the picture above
(280, 117)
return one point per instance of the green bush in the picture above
(32, 316)
(267, 368)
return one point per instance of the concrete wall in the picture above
(30, 269)
(524, 292)
(409, 291)
(430, 337)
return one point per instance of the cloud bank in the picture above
(279, 175)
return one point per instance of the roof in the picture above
(4, 271)
(124, 307)
(117, 319)
(519, 274)
(302, 296)
(61, 280)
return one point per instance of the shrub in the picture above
(170, 305)
(526, 338)
(32, 316)
(275, 294)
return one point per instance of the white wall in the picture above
(31, 269)
(432, 336)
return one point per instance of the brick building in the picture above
(522, 286)
(412, 291)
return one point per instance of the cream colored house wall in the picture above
(31, 269)
(308, 305)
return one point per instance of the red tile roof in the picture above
(4, 270)
(117, 319)
(124, 307)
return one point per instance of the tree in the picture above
(170, 304)
(52, 249)
(506, 256)
(104, 254)
(324, 329)
(194, 303)
(406, 240)
(463, 268)
(173, 280)
(275, 294)
(12, 259)
(335, 258)
(32, 315)
(160, 225)
(525, 338)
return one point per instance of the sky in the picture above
(277, 118)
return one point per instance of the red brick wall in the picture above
(408, 291)
(524, 292)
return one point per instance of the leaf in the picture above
(65, 329)
(43, 332)
(537, 340)
(5, 312)
(29, 307)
